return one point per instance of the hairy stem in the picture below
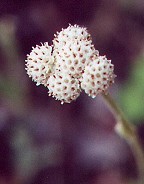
(128, 131)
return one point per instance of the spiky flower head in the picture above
(98, 76)
(71, 33)
(40, 63)
(63, 87)
(73, 50)
(73, 57)
(70, 65)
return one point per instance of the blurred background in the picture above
(44, 142)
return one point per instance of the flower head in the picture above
(73, 50)
(72, 64)
(63, 87)
(40, 63)
(71, 33)
(98, 76)
(73, 57)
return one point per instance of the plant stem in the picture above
(128, 131)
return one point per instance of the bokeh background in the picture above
(44, 142)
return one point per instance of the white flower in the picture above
(63, 87)
(72, 64)
(98, 76)
(73, 57)
(73, 50)
(71, 33)
(40, 63)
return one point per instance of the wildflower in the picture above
(73, 50)
(63, 87)
(40, 63)
(75, 32)
(98, 76)
(71, 65)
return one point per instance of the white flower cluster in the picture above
(69, 66)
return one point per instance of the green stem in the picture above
(128, 131)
